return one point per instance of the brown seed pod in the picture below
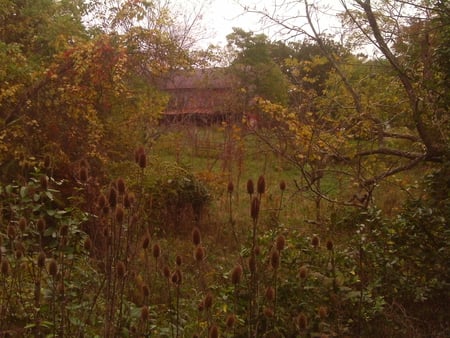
(174, 278)
(196, 236)
(101, 201)
(5, 268)
(11, 231)
(83, 174)
(112, 197)
(145, 313)
(275, 259)
(280, 242)
(178, 260)
(323, 312)
(64, 230)
(145, 290)
(199, 253)
(268, 312)
(145, 241)
(41, 226)
(303, 272)
(254, 210)
(270, 294)
(201, 306)
(47, 161)
(120, 214)
(250, 187)
(166, 272)
(261, 185)
(156, 251)
(230, 187)
(236, 274)
(23, 224)
(121, 186)
(137, 153)
(282, 185)
(329, 245)
(315, 241)
(142, 160)
(208, 301)
(302, 321)
(120, 269)
(41, 260)
(213, 332)
(52, 268)
(230, 321)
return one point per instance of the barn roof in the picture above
(210, 78)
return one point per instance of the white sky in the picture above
(220, 16)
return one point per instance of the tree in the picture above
(376, 118)
(254, 66)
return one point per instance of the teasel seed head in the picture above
(88, 244)
(166, 272)
(145, 313)
(196, 236)
(176, 277)
(315, 241)
(250, 187)
(303, 272)
(121, 186)
(261, 185)
(323, 312)
(199, 253)
(282, 185)
(236, 274)
(83, 174)
(23, 224)
(52, 268)
(230, 321)
(213, 332)
(254, 211)
(230, 187)
(5, 268)
(330, 245)
(275, 259)
(137, 153)
(101, 201)
(302, 321)
(11, 231)
(156, 251)
(268, 312)
(270, 294)
(208, 300)
(201, 306)
(41, 226)
(142, 160)
(64, 230)
(112, 198)
(120, 214)
(120, 269)
(145, 290)
(63, 242)
(280, 242)
(43, 180)
(41, 260)
(47, 162)
(146, 242)
(178, 260)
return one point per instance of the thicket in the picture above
(112, 272)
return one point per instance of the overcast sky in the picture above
(220, 16)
